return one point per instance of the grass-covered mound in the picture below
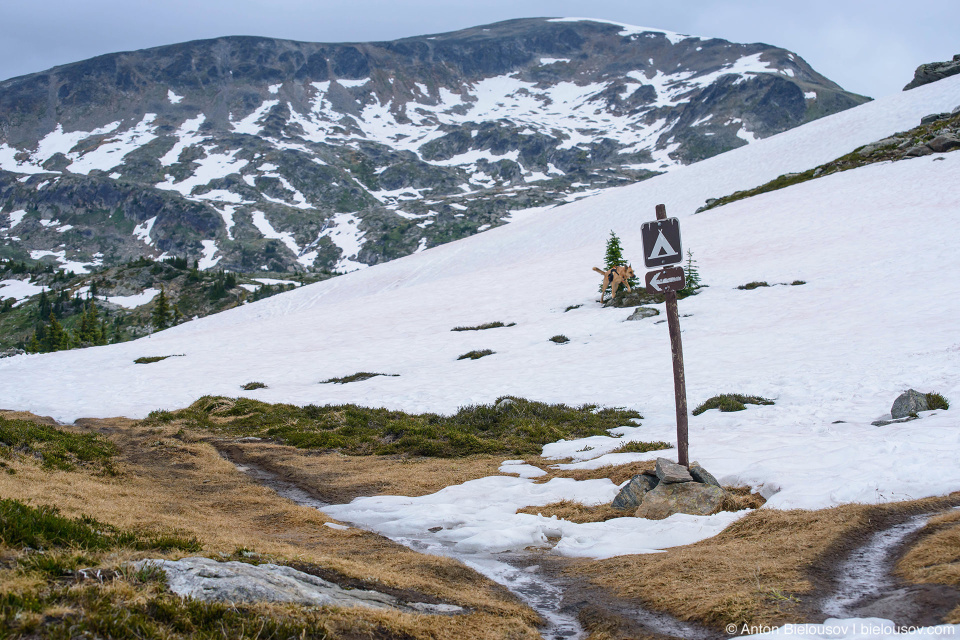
(56, 448)
(517, 428)
(730, 402)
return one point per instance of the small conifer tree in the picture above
(692, 273)
(161, 312)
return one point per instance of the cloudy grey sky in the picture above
(867, 46)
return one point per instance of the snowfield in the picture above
(877, 315)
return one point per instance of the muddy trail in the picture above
(864, 584)
(854, 581)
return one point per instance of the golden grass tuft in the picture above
(935, 558)
(576, 511)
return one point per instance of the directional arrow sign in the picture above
(661, 242)
(669, 279)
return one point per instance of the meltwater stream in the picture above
(528, 583)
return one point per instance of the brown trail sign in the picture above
(661, 246)
(669, 279)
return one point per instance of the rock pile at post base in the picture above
(671, 488)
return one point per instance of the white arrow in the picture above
(656, 281)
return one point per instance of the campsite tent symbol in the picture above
(661, 242)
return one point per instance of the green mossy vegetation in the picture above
(481, 327)
(476, 355)
(44, 528)
(55, 448)
(559, 338)
(359, 376)
(750, 286)
(642, 447)
(520, 428)
(937, 401)
(150, 359)
(730, 402)
(250, 386)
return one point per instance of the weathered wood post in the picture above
(661, 246)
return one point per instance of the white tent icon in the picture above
(661, 248)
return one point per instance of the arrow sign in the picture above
(661, 242)
(669, 279)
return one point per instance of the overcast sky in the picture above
(870, 47)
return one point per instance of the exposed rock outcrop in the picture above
(933, 71)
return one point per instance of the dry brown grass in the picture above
(338, 478)
(618, 473)
(935, 558)
(576, 511)
(166, 482)
(953, 617)
(757, 571)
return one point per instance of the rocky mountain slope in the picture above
(254, 153)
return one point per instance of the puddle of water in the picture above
(283, 488)
(866, 573)
(517, 574)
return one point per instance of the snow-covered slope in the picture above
(877, 315)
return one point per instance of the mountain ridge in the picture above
(303, 156)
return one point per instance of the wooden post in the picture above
(676, 349)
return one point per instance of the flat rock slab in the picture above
(209, 580)
(670, 472)
(680, 497)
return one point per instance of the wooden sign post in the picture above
(661, 246)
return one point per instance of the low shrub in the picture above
(476, 355)
(149, 359)
(730, 402)
(519, 428)
(357, 377)
(56, 448)
(752, 285)
(250, 386)
(937, 401)
(481, 327)
(642, 447)
(572, 307)
(559, 339)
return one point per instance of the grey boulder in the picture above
(701, 475)
(942, 144)
(684, 497)
(643, 312)
(909, 402)
(631, 495)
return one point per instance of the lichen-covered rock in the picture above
(701, 475)
(683, 497)
(670, 472)
(907, 403)
(631, 495)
